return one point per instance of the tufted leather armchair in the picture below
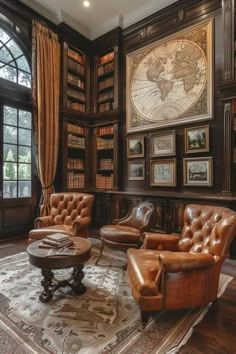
(127, 232)
(70, 213)
(172, 272)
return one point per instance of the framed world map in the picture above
(170, 81)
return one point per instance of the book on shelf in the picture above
(75, 55)
(75, 129)
(104, 107)
(107, 57)
(106, 130)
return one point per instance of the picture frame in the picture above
(198, 171)
(159, 90)
(135, 146)
(136, 170)
(196, 139)
(163, 144)
(163, 173)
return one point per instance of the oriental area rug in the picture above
(103, 320)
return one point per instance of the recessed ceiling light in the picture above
(86, 3)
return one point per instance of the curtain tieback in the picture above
(47, 187)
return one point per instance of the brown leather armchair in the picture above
(172, 272)
(70, 213)
(127, 232)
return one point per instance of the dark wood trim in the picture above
(227, 148)
(228, 30)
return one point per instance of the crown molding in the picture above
(73, 23)
(51, 16)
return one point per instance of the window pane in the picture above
(25, 119)
(24, 137)
(9, 189)
(8, 73)
(5, 56)
(3, 36)
(24, 154)
(22, 64)
(14, 48)
(24, 171)
(9, 152)
(24, 79)
(10, 134)
(24, 189)
(10, 115)
(9, 170)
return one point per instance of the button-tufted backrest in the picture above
(65, 207)
(139, 216)
(207, 229)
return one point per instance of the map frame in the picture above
(136, 122)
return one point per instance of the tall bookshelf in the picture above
(75, 79)
(75, 150)
(106, 154)
(106, 84)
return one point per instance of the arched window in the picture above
(16, 121)
(13, 64)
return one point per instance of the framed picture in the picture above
(163, 173)
(136, 170)
(163, 144)
(198, 171)
(197, 139)
(135, 146)
(170, 81)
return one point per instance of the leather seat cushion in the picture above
(118, 233)
(143, 267)
(38, 234)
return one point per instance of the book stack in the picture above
(56, 241)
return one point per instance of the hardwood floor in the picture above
(215, 334)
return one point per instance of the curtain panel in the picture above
(45, 91)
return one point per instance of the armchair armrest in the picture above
(160, 242)
(174, 262)
(43, 221)
(117, 221)
(80, 223)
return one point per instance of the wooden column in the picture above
(227, 143)
(228, 30)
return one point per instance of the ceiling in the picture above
(102, 15)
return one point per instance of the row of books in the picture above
(105, 107)
(106, 83)
(77, 67)
(75, 129)
(76, 56)
(105, 95)
(75, 163)
(56, 240)
(105, 69)
(75, 141)
(75, 180)
(106, 164)
(104, 143)
(106, 131)
(76, 94)
(74, 80)
(104, 182)
(107, 57)
(76, 105)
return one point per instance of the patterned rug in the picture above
(103, 320)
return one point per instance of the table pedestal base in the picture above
(50, 284)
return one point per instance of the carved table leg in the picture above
(46, 283)
(77, 286)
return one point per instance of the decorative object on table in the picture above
(106, 309)
(70, 213)
(135, 146)
(163, 173)
(163, 144)
(170, 81)
(172, 272)
(198, 171)
(56, 241)
(197, 139)
(136, 170)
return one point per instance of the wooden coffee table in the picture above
(49, 259)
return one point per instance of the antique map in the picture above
(169, 82)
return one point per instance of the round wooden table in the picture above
(49, 259)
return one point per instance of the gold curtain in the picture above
(45, 91)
